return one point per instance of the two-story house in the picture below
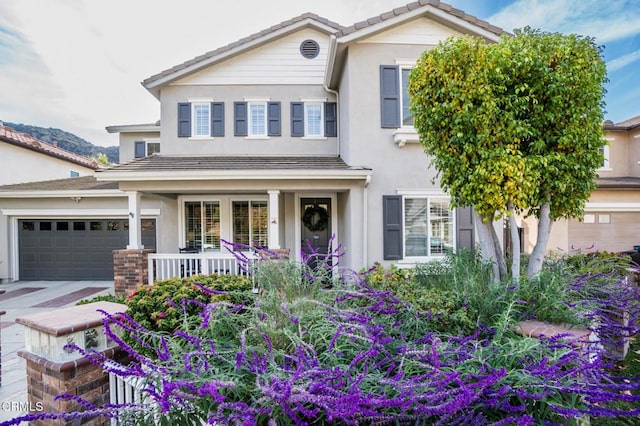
(282, 139)
(612, 213)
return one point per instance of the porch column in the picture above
(135, 226)
(274, 229)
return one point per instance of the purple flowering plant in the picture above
(319, 345)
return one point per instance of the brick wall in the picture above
(46, 380)
(130, 269)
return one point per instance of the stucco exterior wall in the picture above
(241, 145)
(394, 167)
(128, 140)
(19, 165)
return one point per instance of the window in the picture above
(257, 119)
(604, 150)
(407, 117)
(202, 225)
(74, 174)
(394, 96)
(419, 225)
(428, 226)
(313, 119)
(200, 119)
(145, 148)
(250, 223)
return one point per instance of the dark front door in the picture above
(316, 225)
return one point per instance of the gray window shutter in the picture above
(465, 236)
(184, 119)
(140, 149)
(390, 96)
(240, 119)
(297, 119)
(392, 227)
(217, 118)
(330, 119)
(273, 119)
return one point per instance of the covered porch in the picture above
(215, 208)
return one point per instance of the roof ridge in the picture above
(10, 135)
(416, 5)
(307, 15)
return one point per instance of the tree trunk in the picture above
(500, 260)
(544, 231)
(515, 245)
(487, 245)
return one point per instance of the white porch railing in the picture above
(164, 266)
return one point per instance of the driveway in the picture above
(21, 299)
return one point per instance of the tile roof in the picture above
(415, 5)
(83, 183)
(8, 135)
(626, 182)
(631, 122)
(242, 41)
(159, 163)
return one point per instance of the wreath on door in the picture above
(315, 218)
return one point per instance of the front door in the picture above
(316, 225)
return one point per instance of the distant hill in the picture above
(66, 140)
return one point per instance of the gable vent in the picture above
(309, 49)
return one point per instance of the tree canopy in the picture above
(515, 126)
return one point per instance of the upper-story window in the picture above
(73, 173)
(604, 150)
(394, 96)
(256, 118)
(314, 119)
(200, 119)
(145, 148)
(407, 117)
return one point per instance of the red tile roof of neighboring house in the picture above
(8, 135)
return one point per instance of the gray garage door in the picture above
(74, 249)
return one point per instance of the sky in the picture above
(77, 65)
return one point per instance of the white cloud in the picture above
(623, 61)
(604, 21)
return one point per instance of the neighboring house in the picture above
(26, 159)
(612, 214)
(282, 139)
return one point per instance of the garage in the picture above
(74, 249)
(605, 231)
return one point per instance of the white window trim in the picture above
(307, 104)
(182, 237)
(427, 194)
(607, 156)
(400, 69)
(147, 142)
(251, 135)
(200, 102)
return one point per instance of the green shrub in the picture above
(103, 298)
(160, 308)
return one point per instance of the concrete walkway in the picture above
(25, 298)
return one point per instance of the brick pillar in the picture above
(47, 379)
(130, 269)
(53, 369)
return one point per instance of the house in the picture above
(26, 159)
(612, 213)
(285, 138)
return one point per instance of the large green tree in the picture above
(513, 127)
